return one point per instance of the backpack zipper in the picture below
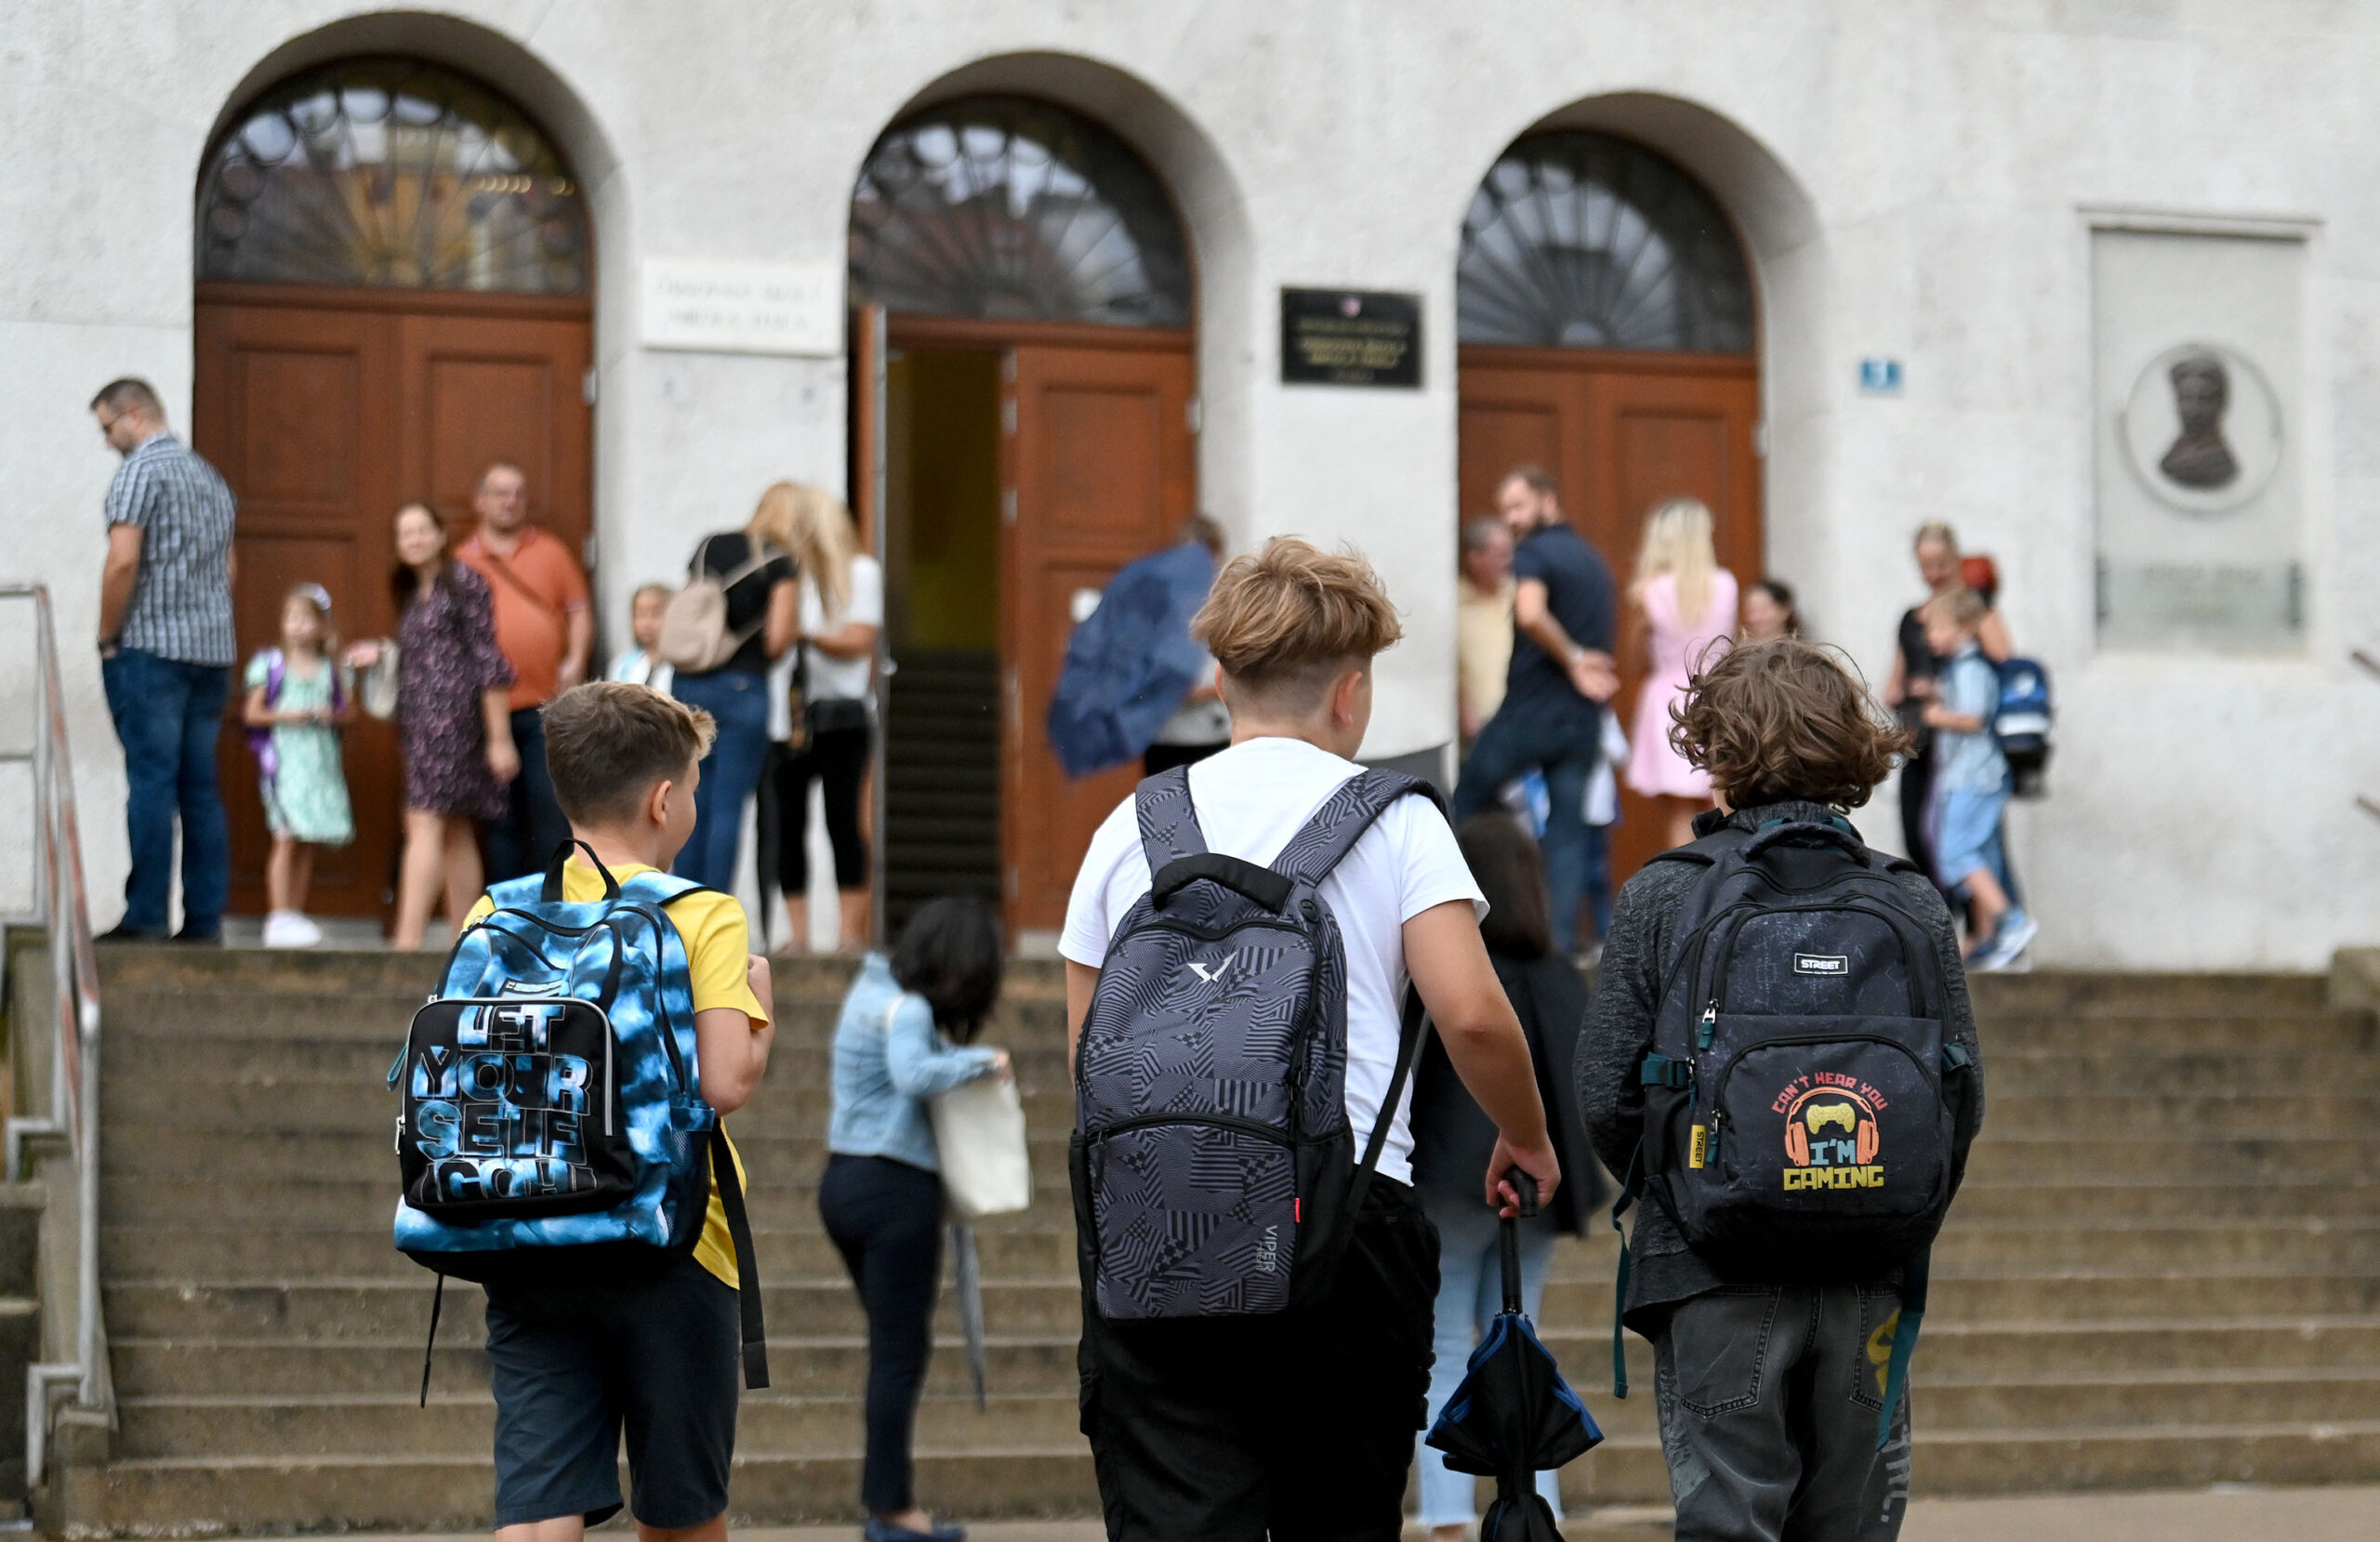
(1219, 1121)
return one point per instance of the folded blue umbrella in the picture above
(1513, 1417)
(1131, 661)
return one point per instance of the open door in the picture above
(1620, 432)
(1097, 468)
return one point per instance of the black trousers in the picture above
(1299, 1426)
(885, 1218)
(523, 840)
(838, 758)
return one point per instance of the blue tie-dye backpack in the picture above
(552, 1117)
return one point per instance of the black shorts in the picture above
(574, 1361)
(1300, 1426)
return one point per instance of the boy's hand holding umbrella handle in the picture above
(1536, 1165)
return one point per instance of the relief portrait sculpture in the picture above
(2198, 457)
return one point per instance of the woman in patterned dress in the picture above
(453, 719)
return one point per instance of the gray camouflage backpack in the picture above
(1215, 1169)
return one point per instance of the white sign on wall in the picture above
(793, 308)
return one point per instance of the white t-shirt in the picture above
(842, 679)
(830, 678)
(1250, 800)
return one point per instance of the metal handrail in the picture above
(64, 907)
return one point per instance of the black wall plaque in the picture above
(1350, 337)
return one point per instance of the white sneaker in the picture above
(2015, 934)
(290, 928)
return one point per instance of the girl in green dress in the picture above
(298, 698)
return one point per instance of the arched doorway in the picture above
(1607, 324)
(394, 269)
(1035, 433)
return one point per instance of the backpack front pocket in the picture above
(1193, 1216)
(1836, 1126)
(510, 1110)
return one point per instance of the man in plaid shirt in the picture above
(166, 652)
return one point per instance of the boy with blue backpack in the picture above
(560, 1140)
(1258, 1275)
(1782, 1062)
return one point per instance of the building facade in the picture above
(2085, 280)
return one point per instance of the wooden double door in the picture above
(1622, 432)
(325, 410)
(1097, 468)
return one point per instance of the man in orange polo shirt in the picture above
(545, 628)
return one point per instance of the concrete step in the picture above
(201, 1253)
(2086, 993)
(2008, 1155)
(461, 1424)
(2154, 1034)
(2002, 1351)
(2104, 1070)
(452, 1494)
(1577, 1298)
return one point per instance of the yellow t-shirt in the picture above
(717, 937)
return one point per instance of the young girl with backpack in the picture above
(298, 698)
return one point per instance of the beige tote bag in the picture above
(979, 1141)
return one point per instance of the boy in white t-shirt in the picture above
(1301, 1423)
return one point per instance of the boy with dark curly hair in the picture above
(1768, 1394)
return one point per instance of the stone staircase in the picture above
(2164, 1269)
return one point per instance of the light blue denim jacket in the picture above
(887, 1060)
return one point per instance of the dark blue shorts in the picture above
(574, 1362)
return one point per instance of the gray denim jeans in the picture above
(1768, 1397)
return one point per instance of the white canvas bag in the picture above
(979, 1143)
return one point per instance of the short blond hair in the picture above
(1960, 607)
(608, 742)
(1284, 621)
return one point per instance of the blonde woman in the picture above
(762, 612)
(1686, 602)
(842, 611)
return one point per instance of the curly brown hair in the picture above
(1773, 721)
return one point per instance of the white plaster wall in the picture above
(1909, 173)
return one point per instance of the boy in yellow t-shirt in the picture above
(574, 1360)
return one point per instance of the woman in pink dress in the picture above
(1686, 602)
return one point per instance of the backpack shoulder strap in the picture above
(1169, 824)
(276, 672)
(1343, 818)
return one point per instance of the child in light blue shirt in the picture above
(1970, 779)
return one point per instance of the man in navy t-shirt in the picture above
(1565, 620)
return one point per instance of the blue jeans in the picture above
(738, 701)
(1565, 745)
(523, 840)
(1470, 1291)
(166, 715)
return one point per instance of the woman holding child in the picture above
(905, 1035)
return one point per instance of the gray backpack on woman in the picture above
(1215, 1169)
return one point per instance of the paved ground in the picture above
(2228, 1513)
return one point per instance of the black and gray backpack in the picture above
(1803, 1106)
(1215, 1169)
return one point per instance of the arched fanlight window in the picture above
(395, 174)
(1579, 240)
(1017, 210)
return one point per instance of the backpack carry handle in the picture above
(1263, 885)
(1804, 830)
(551, 894)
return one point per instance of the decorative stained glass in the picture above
(1014, 209)
(392, 174)
(1578, 240)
